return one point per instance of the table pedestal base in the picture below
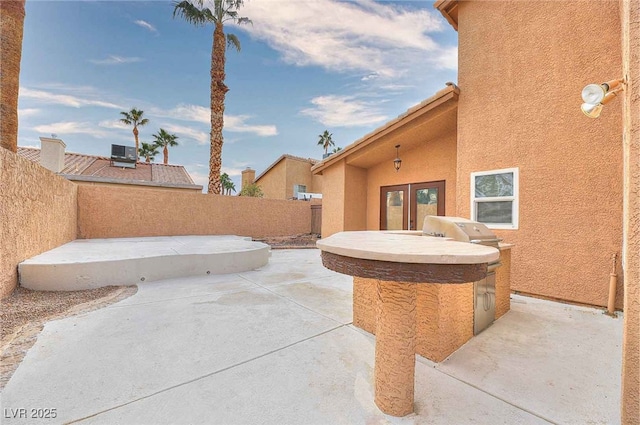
(395, 347)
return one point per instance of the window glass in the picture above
(491, 185)
(495, 212)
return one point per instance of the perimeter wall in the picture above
(38, 212)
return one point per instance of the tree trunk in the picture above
(148, 159)
(218, 92)
(11, 30)
(165, 151)
(135, 136)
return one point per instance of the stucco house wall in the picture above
(570, 166)
(432, 160)
(278, 180)
(271, 182)
(298, 172)
(38, 211)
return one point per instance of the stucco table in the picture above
(398, 262)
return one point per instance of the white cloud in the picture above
(344, 111)
(184, 132)
(232, 123)
(199, 178)
(71, 127)
(374, 39)
(146, 25)
(64, 99)
(237, 124)
(28, 112)
(115, 60)
(114, 124)
(232, 171)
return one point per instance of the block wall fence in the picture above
(40, 210)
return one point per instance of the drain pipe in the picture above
(613, 281)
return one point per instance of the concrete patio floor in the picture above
(276, 346)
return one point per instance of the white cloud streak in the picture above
(374, 39)
(344, 111)
(71, 127)
(64, 99)
(146, 25)
(183, 132)
(28, 112)
(200, 114)
(115, 60)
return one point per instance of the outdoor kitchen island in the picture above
(399, 263)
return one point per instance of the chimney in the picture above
(248, 177)
(52, 154)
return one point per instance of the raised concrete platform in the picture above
(93, 263)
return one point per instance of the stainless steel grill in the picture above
(464, 230)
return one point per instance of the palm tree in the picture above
(195, 12)
(11, 28)
(326, 142)
(148, 151)
(164, 140)
(134, 118)
(227, 184)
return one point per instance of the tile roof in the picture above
(76, 164)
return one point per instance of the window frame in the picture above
(515, 206)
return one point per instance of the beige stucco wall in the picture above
(333, 200)
(38, 213)
(298, 172)
(355, 198)
(433, 160)
(277, 183)
(631, 120)
(570, 165)
(107, 212)
(272, 183)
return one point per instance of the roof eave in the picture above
(449, 9)
(450, 92)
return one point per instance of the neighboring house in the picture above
(99, 170)
(508, 146)
(289, 177)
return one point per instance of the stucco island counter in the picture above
(399, 262)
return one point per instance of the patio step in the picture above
(94, 263)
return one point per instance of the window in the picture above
(494, 198)
(299, 188)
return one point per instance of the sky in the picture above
(305, 66)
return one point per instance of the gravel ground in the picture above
(305, 240)
(24, 313)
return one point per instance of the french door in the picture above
(404, 207)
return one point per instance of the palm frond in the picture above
(190, 12)
(232, 40)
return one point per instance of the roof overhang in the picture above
(283, 157)
(449, 9)
(108, 180)
(428, 120)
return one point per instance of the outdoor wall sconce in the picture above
(595, 96)
(397, 162)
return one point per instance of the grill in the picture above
(464, 230)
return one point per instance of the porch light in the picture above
(595, 96)
(397, 162)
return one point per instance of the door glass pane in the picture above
(426, 204)
(494, 185)
(395, 201)
(495, 212)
